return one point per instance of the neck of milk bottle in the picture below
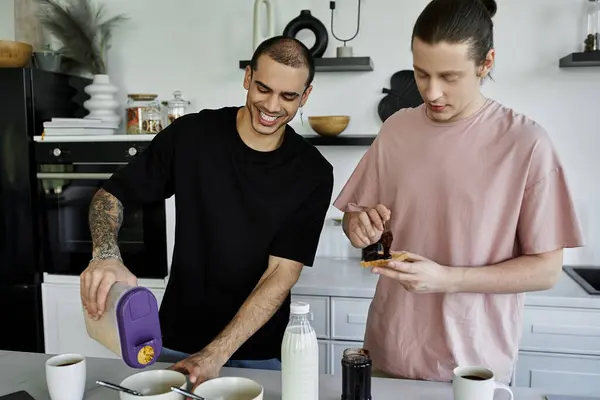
(300, 322)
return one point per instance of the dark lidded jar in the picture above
(356, 374)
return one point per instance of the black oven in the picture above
(68, 175)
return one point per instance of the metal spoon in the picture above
(186, 393)
(119, 388)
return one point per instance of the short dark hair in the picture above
(458, 21)
(287, 51)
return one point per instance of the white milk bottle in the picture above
(299, 357)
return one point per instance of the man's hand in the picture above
(96, 281)
(201, 366)
(365, 227)
(420, 275)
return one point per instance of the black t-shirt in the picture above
(235, 206)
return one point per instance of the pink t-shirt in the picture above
(474, 192)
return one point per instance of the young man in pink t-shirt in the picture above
(475, 192)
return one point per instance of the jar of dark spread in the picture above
(356, 375)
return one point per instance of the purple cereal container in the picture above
(130, 326)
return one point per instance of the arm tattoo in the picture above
(105, 219)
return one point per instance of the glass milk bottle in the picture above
(299, 357)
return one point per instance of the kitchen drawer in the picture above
(566, 374)
(324, 356)
(337, 351)
(319, 313)
(349, 318)
(561, 330)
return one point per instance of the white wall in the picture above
(195, 46)
(7, 20)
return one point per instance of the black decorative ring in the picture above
(307, 21)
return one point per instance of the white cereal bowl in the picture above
(154, 385)
(230, 388)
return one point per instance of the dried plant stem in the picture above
(83, 31)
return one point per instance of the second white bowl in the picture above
(230, 387)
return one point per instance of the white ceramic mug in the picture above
(65, 376)
(476, 383)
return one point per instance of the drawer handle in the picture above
(570, 330)
(357, 319)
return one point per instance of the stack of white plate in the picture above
(78, 126)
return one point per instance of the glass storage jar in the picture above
(143, 114)
(593, 26)
(175, 107)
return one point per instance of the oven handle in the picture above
(73, 175)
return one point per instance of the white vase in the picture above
(102, 104)
(257, 35)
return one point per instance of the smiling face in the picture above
(275, 92)
(448, 79)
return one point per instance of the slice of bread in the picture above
(383, 262)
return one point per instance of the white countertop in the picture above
(566, 293)
(346, 278)
(331, 277)
(25, 371)
(95, 138)
(74, 280)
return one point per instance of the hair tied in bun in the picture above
(491, 6)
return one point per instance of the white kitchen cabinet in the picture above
(349, 318)
(318, 314)
(337, 351)
(64, 324)
(324, 356)
(554, 373)
(561, 330)
(559, 351)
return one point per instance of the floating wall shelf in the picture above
(335, 64)
(348, 140)
(588, 59)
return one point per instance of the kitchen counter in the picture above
(346, 278)
(340, 278)
(26, 371)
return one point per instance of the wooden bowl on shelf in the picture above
(14, 54)
(329, 125)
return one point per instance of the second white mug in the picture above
(476, 383)
(65, 376)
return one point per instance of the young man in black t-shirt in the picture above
(251, 198)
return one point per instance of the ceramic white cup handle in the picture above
(502, 386)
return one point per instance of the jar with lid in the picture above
(356, 374)
(143, 114)
(592, 20)
(175, 107)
